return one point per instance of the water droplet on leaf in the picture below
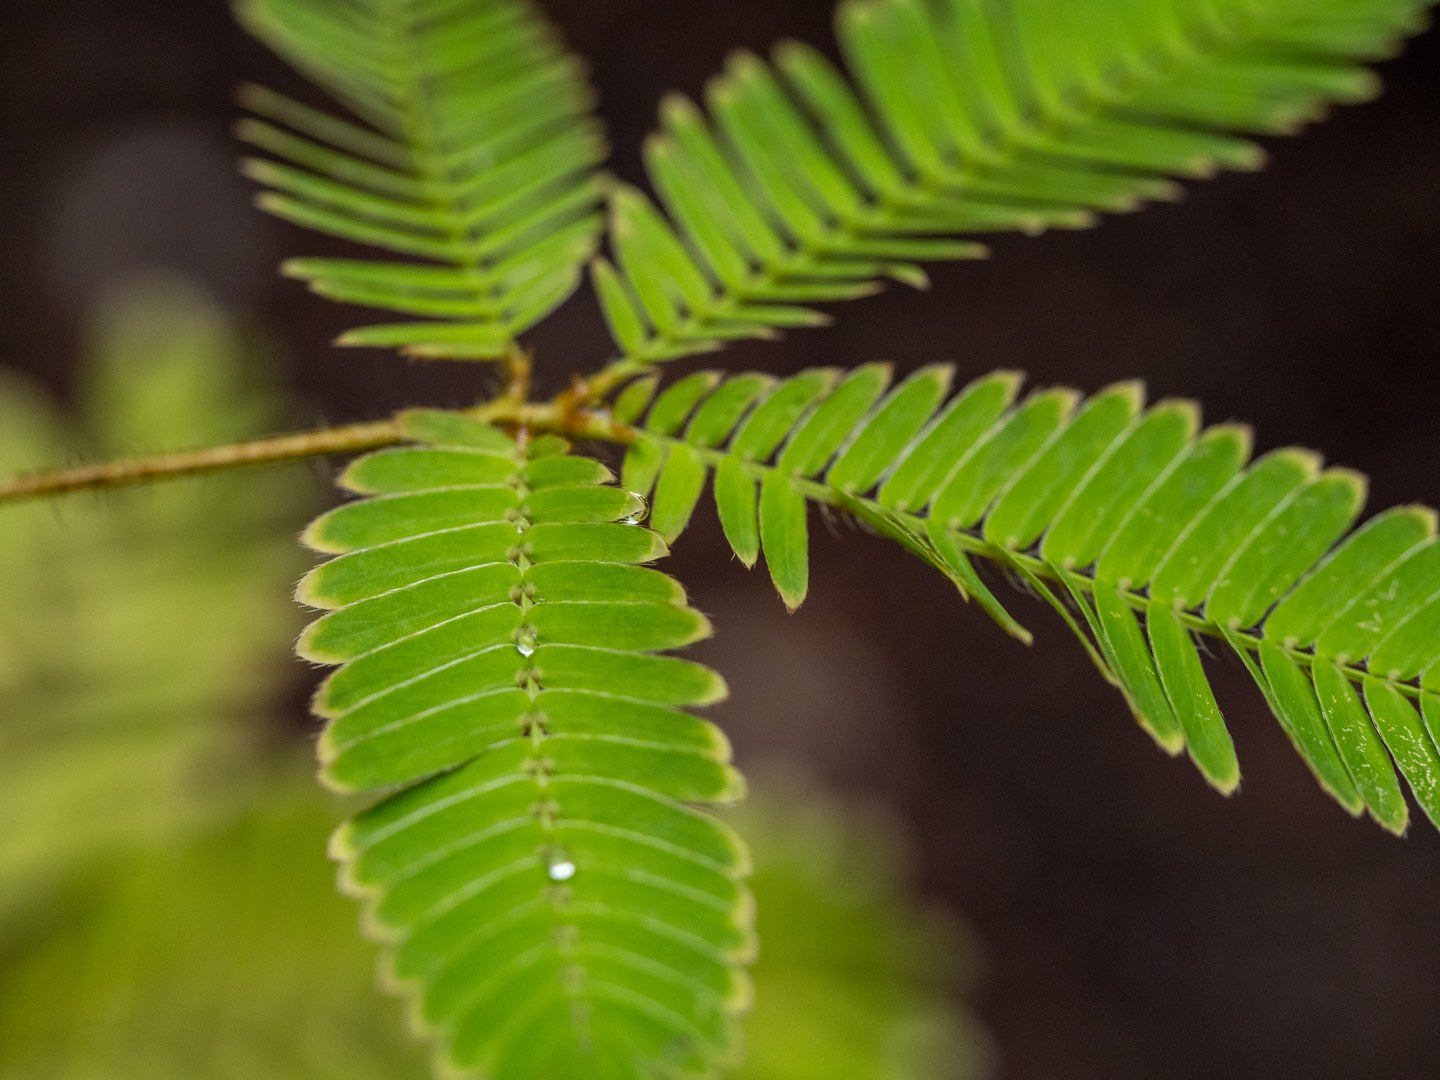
(640, 513)
(526, 641)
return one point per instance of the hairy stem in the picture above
(519, 366)
(303, 444)
(563, 416)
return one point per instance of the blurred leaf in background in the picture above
(142, 634)
(224, 956)
(230, 957)
(166, 910)
(857, 980)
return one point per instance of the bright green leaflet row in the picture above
(471, 153)
(958, 117)
(550, 898)
(475, 153)
(1136, 523)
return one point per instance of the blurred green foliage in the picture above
(224, 956)
(141, 634)
(856, 979)
(166, 912)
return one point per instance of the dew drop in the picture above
(640, 514)
(526, 642)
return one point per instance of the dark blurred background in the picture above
(1137, 924)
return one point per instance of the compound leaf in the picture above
(800, 183)
(469, 147)
(549, 896)
(1153, 529)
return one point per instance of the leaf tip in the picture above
(1425, 515)
(249, 95)
(1171, 742)
(315, 537)
(1251, 157)
(1131, 391)
(1188, 411)
(1357, 482)
(744, 64)
(1224, 779)
(299, 269)
(907, 274)
(308, 647)
(676, 109)
(328, 778)
(789, 54)
(341, 846)
(792, 597)
(1397, 825)
(246, 129)
(1243, 434)
(1308, 461)
(716, 691)
(310, 593)
(1352, 805)
(1008, 378)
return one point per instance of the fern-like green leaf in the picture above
(474, 152)
(550, 899)
(964, 116)
(1138, 526)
